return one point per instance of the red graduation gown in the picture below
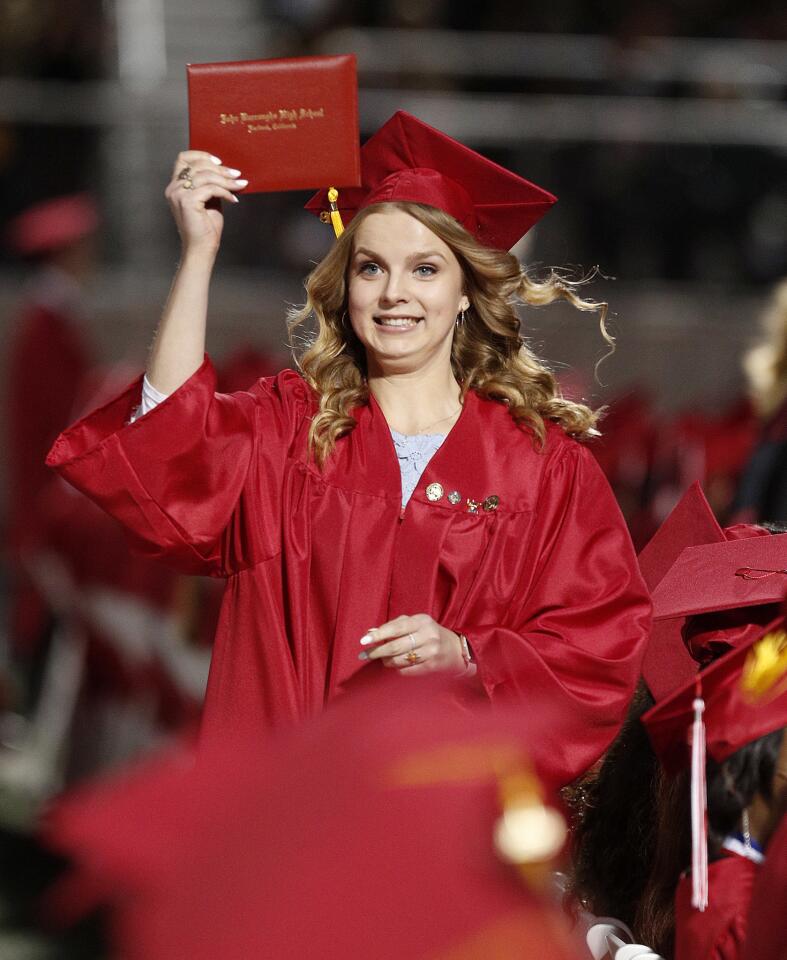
(719, 932)
(546, 586)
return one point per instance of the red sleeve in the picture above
(186, 478)
(576, 637)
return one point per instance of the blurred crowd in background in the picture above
(660, 126)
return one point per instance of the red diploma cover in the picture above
(289, 124)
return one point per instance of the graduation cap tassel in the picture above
(699, 807)
(336, 217)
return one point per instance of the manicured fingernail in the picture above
(215, 160)
(233, 172)
(234, 198)
(367, 638)
(363, 655)
(241, 183)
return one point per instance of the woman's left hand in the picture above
(414, 645)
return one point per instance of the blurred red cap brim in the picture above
(53, 224)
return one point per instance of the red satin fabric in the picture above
(546, 587)
(719, 932)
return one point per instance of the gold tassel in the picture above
(336, 217)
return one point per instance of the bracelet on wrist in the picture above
(467, 653)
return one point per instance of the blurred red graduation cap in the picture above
(410, 161)
(712, 588)
(53, 224)
(387, 828)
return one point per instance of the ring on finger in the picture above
(411, 638)
(185, 178)
(412, 657)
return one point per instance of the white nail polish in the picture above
(235, 199)
(233, 172)
(241, 183)
(215, 160)
(367, 638)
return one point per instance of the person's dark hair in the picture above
(654, 920)
(629, 837)
(733, 784)
(773, 526)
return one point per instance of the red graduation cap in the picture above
(667, 662)
(712, 589)
(409, 160)
(386, 828)
(724, 593)
(53, 224)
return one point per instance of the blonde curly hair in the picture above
(765, 364)
(488, 354)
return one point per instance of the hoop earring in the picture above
(746, 830)
(343, 322)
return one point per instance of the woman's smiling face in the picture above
(405, 289)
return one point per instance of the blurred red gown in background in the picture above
(49, 353)
(48, 361)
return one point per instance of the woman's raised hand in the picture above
(197, 179)
(198, 182)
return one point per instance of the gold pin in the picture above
(472, 506)
(434, 492)
(491, 503)
(454, 497)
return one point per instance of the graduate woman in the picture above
(419, 498)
